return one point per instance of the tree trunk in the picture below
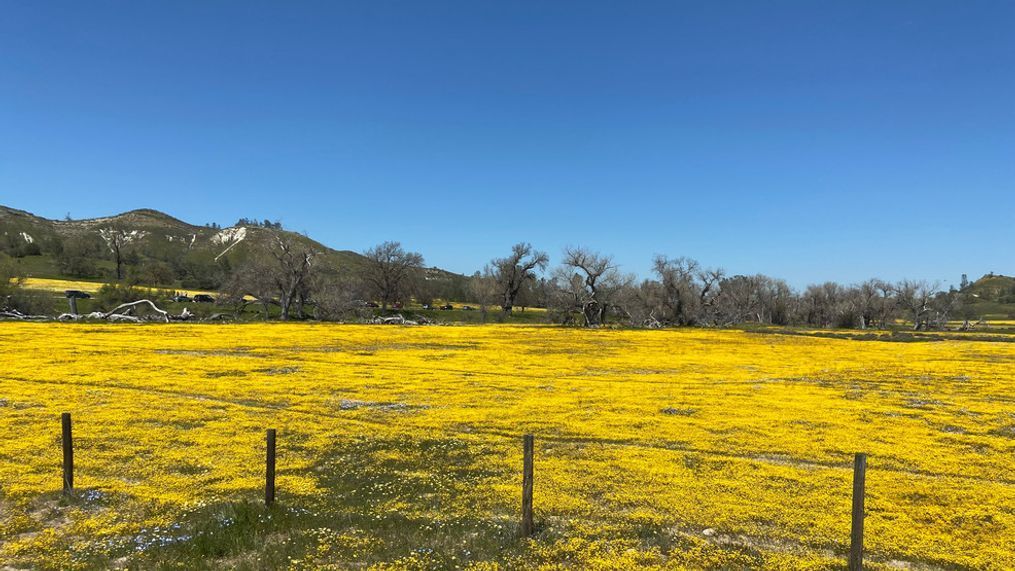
(284, 302)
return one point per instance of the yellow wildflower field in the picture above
(47, 284)
(401, 448)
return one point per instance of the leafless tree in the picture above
(294, 263)
(775, 300)
(824, 305)
(486, 290)
(511, 273)
(943, 305)
(340, 296)
(564, 294)
(679, 295)
(915, 295)
(390, 271)
(593, 281)
(865, 298)
(740, 301)
(757, 298)
(885, 304)
(252, 279)
(710, 294)
(117, 240)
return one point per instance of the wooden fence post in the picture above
(856, 533)
(269, 471)
(527, 526)
(68, 454)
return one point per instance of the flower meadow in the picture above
(400, 448)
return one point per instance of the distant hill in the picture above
(154, 233)
(993, 287)
(992, 295)
(44, 246)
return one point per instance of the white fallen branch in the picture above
(15, 314)
(115, 314)
(119, 317)
(393, 320)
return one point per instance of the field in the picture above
(59, 286)
(401, 448)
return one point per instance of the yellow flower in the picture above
(401, 447)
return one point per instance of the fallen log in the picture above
(393, 320)
(127, 307)
(119, 317)
(15, 314)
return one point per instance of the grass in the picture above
(361, 477)
(401, 448)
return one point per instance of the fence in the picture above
(528, 473)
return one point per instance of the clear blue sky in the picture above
(806, 140)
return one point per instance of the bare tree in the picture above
(710, 294)
(486, 290)
(564, 294)
(885, 304)
(679, 292)
(823, 305)
(252, 279)
(915, 296)
(594, 278)
(294, 262)
(865, 297)
(943, 305)
(776, 300)
(390, 271)
(740, 301)
(340, 297)
(117, 240)
(514, 271)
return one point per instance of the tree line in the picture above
(588, 289)
(289, 278)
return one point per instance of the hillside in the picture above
(991, 295)
(171, 251)
(152, 232)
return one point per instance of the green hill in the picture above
(160, 250)
(993, 296)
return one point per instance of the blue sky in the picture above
(806, 140)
